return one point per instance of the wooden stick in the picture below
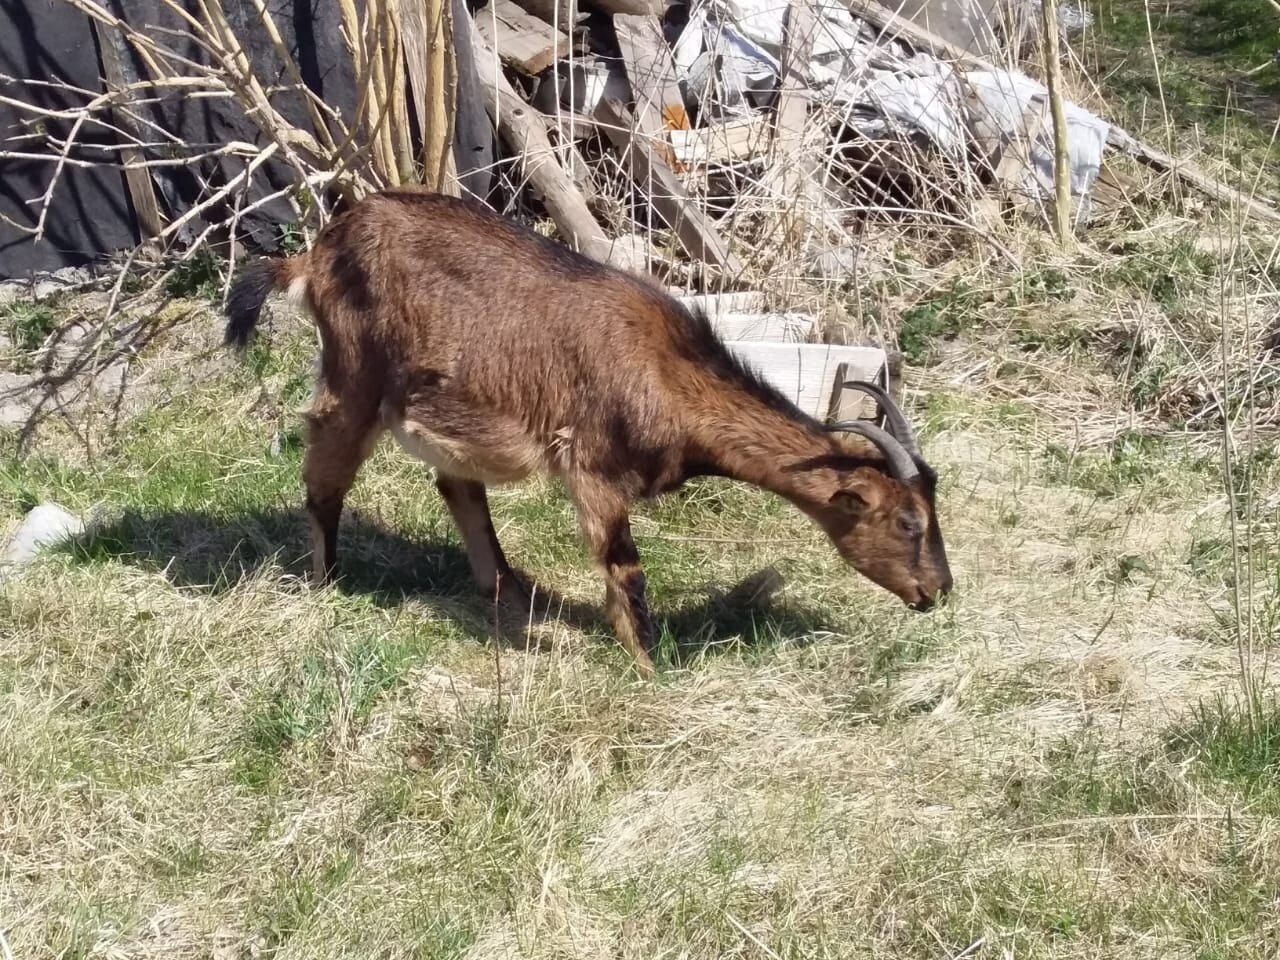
(1061, 156)
(1190, 174)
(664, 191)
(117, 70)
(436, 149)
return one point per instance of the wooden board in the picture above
(806, 373)
(523, 41)
(793, 103)
(719, 143)
(775, 327)
(651, 70)
(714, 304)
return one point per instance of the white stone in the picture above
(45, 526)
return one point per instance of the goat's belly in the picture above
(459, 458)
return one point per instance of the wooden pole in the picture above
(1061, 158)
(437, 128)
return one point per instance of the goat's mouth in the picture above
(922, 600)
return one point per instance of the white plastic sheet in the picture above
(1005, 95)
(729, 53)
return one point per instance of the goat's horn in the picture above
(901, 464)
(894, 418)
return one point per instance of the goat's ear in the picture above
(859, 490)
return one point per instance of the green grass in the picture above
(938, 317)
(1204, 48)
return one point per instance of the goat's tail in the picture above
(250, 289)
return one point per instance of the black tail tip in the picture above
(249, 291)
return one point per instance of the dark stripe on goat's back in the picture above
(696, 340)
(495, 227)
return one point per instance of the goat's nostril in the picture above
(923, 602)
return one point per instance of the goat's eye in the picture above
(909, 526)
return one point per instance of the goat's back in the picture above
(419, 295)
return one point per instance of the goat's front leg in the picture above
(608, 532)
(469, 506)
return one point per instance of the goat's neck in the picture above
(746, 440)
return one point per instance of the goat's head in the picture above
(882, 518)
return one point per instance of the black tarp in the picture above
(91, 215)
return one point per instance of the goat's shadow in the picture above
(203, 551)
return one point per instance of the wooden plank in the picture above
(715, 304)
(795, 172)
(792, 110)
(725, 142)
(775, 327)
(473, 140)
(524, 42)
(119, 73)
(520, 125)
(894, 26)
(665, 193)
(806, 373)
(651, 70)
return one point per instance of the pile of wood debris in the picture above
(762, 130)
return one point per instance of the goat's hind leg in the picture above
(340, 436)
(469, 506)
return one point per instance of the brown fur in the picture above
(492, 353)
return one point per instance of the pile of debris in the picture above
(759, 132)
(777, 123)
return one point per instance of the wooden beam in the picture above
(1189, 173)
(792, 109)
(524, 42)
(521, 126)
(897, 27)
(472, 130)
(651, 70)
(659, 184)
(118, 73)
(795, 173)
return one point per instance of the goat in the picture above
(491, 352)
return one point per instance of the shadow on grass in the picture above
(211, 553)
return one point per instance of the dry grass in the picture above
(203, 757)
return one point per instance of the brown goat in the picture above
(491, 352)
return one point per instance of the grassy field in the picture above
(201, 756)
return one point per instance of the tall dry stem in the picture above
(1061, 158)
